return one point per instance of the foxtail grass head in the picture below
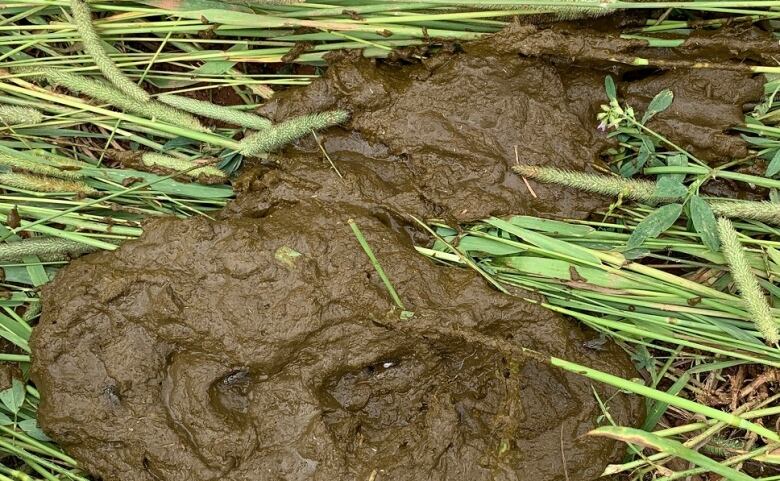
(282, 134)
(82, 18)
(641, 190)
(40, 183)
(186, 167)
(45, 248)
(14, 115)
(747, 282)
(768, 212)
(107, 93)
(216, 112)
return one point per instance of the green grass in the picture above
(666, 295)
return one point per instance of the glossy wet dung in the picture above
(268, 348)
(263, 345)
(439, 137)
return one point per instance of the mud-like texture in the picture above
(438, 138)
(264, 346)
(268, 349)
(707, 102)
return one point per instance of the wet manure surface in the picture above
(264, 346)
(438, 138)
(267, 348)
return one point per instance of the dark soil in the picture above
(264, 346)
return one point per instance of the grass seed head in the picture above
(641, 190)
(106, 93)
(768, 212)
(217, 112)
(15, 115)
(46, 248)
(40, 183)
(282, 134)
(82, 17)
(151, 159)
(37, 167)
(746, 282)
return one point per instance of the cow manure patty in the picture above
(268, 348)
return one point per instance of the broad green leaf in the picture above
(551, 226)
(631, 167)
(704, 222)
(634, 254)
(669, 446)
(21, 275)
(647, 144)
(560, 269)
(178, 142)
(670, 188)
(37, 271)
(219, 67)
(476, 245)
(30, 426)
(715, 366)
(609, 86)
(654, 224)
(760, 141)
(660, 102)
(15, 339)
(646, 154)
(10, 324)
(209, 68)
(542, 241)
(13, 397)
(445, 231)
(774, 165)
(678, 160)
(5, 420)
